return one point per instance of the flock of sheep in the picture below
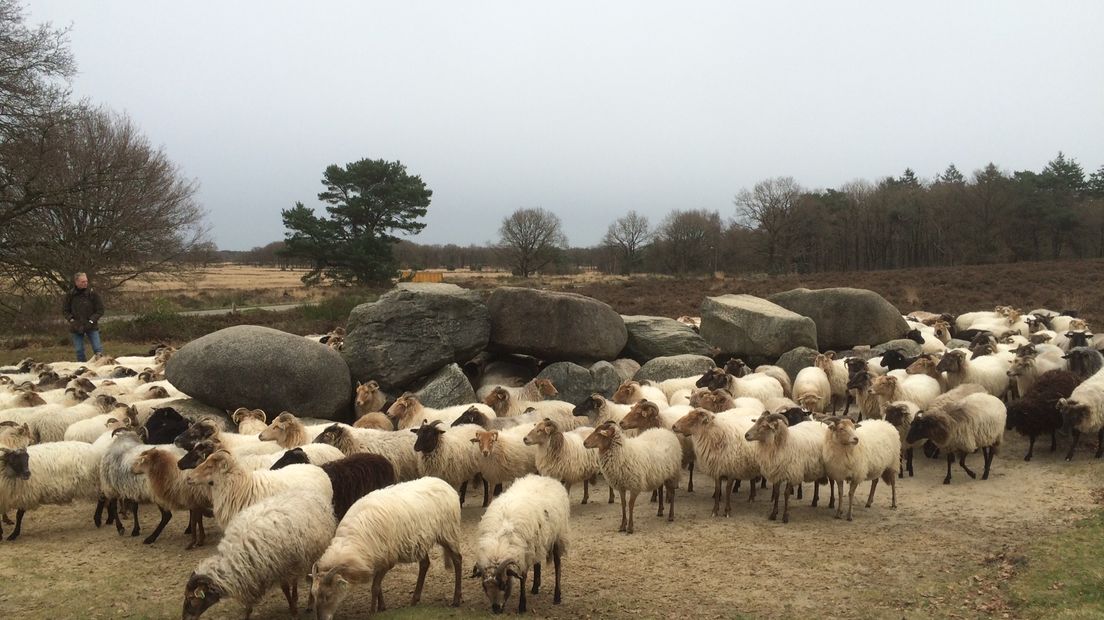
(343, 504)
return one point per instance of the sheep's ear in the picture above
(414, 430)
(475, 440)
(494, 435)
(858, 424)
(512, 570)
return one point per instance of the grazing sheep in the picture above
(395, 446)
(788, 455)
(409, 412)
(651, 460)
(369, 399)
(812, 389)
(273, 541)
(49, 473)
(646, 414)
(1085, 411)
(920, 389)
(289, 432)
(525, 526)
(561, 455)
(396, 525)
(351, 477)
(856, 452)
(990, 372)
(721, 451)
(504, 456)
(1037, 412)
(169, 489)
(233, 488)
(447, 453)
(250, 421)
(962, 427)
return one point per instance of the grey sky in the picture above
(587, 109)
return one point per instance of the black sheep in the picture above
(352, 477)
(164, 425)
(894, 359)
(1037, 412)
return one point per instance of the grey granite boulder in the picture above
(554, 326)
(845, 317)
(794, 360)
(445, 388)
(753, 327)
(674, 367)
(657, 336)
(575, 383)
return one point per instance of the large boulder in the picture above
(674, 367)
(263, 368)
(194, 410)
(657, 336)
(575, 383)
(754, 328)
(554, 326)
(413, 331)
(845, 317)
(795, 359)
(445, 388)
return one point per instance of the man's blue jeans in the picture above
(78, 343)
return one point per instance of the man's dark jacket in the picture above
(80, 307)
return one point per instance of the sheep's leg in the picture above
(137, 529)
(989, 454)
(671, 499)
(632, 508)
(786, 504)
(799, 492)
(717, 496)
(832, 494)
(463, 491)
(292, 598)
(1073, 444)
(736, 486)
(586, 491)
(377, 592)
(1053, 440)
(1099, 444)
(659, 493)
(457, 562)
(850, 498)
(728, 500)
(423, 568)
(839, 506)
(892, 482)
(166, 516)
(7, 520)
(522, 607)
(910, 461)
(962, 463)
(655, 494)
(690, 483)
(202, 532)
(950, 461)
(847, 405)
(113, 514)
(774, 498)
(870, 500)
(536, 578)
(1030, 447)
(763, 482)
(97, 517)
(556, 553)
(624, 513)
(816, 493)
(610, 495)
(486, 494)
(18, 524)
(753, 484)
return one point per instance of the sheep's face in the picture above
(952, 362)
(943, 332)
(766, 427)
(485, 440)
(105, 402)
(736, 367)
(842, 431)
(810, 401)
(122, 371)
(215, 465)
(197, 454)
(243, 414)
(1020, 366)
(329, 589)
(626, 393)
(540, 433)
(545, 388)
(892, 358)
(199, 595)
(498, 583)
(922, 366)
(602, 437)
(985, 348)
(157, 391)
(197, 432)
(365, 392)
(295, 456)
(16, 463)
(379, 421)
(714, 379)
(28, 399)
(15, 436)
(82, 383)
(1040, 338)
(141, 464)
(883, 386)
(897, 415)
(429, 435)
(332, 435)
(590, 407)
(497, 397)
(824, 363)
(793, 415)
(6, 380)
(402, 406)
(644, 414)
(715, 401)
(693, 422)
(927, 427)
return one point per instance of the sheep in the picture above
(505, 403)
(275, 540)
(163, 425)
(50, 425)
(962, 427)
(289, 432)
(376, 420)
(1037, 412)
(89, 429)
(15, 436)
(169, 489)
(249, 421)
(534, 391)
(651, 460)
(856, 452)
(894, 359)
(396, 525)
(631, 391)
(119, 482)
(1026, 370)
(565, 419)
(561, 455)
(721, 450)
(788, 455)
(720, 400)
(447, 453)
(152, 392)
(210, 429)
(1084, 361)
(408, 412)
(920, 389)
(49, 473)
(836, 372)
(646, 414)
(756, 385)
(778, 374)
(22, 399)
(369, 399)
(526, 526)
(988, 372)
(351, 477)
(900, 414)
(205, 448)
(812, 389)
(873, 366)
(600, 409)
(234, 489)
(504, 456)
(395, 446)
(1085, 411)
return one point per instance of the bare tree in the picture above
(627, 236)
(768, 207)
(531, 239)
(689, 241)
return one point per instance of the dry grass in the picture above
(221, 277)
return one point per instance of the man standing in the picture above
(83, 308)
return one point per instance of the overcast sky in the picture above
(587, 109)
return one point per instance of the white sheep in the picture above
(118, 481)
(89, 429)
(561, 455)
(49, 423)
(448, 453)
(211, 429)
(762, 386)
(234, 489)
(250, 421)
(779, 374)
(395, 525)
(988, 371)
(721, 450)
(289, 431)
(962, 427)
(812, 389)
(505, 403)
(395, 446)
(1026, 369)
(898, 385)
(408, 412)
(524, 527)
(600, 409)
(836, 371)
(630, 392)
(788, 456)
(50, 473)
(1085, 411)
(504, 455)
(273, 541)
(646, 414)
(650, 461)
(856, 452)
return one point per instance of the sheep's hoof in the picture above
(971, 475)
(629, 531)
(839, 515)
(622, 528)
(849, 518)
(12, 537)
(946, 481)
(772, 517)
(1027, 458)
(786, 518)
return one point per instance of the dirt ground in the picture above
(919, 561)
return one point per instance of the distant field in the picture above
(218, 277)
